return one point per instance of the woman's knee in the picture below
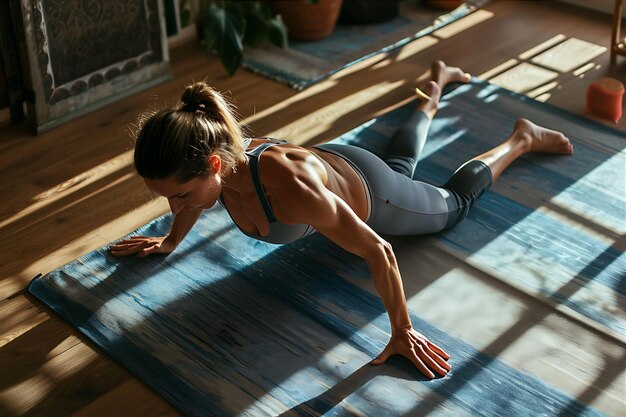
(465, 187)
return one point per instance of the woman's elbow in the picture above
(381, 256)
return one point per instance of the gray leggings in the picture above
(401, 205)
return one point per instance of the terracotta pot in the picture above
(305, 21)
(443, 4)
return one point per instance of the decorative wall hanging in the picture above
(83, 54)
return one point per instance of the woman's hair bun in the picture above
(197, 96)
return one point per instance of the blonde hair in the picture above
(177, 142)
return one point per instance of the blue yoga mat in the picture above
(227, 325)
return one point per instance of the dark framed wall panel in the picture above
(11, 87)
(83, 54)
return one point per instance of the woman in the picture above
(274, 191)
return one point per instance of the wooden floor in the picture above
(72, 189)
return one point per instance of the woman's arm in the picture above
(303, 198)
(182, 224)
(146, 245)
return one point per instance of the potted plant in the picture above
(226, 26)
(308, 20)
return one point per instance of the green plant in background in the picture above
(229, 25)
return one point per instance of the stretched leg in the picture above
(472, 179)
(526, 137)
(408, 141)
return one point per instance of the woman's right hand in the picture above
(142, 246)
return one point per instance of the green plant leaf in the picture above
(257, 27)
(223, 29)
(277, 32)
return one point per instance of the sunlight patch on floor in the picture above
(312, 125)
(285, 104)
(507, 65)
(569, 55)
(542, 46)
(66, 188)
(35, 207)
(580, 72)
(524, 77)
(542, 90)
(20, 318)
(415, 47)
(543, 97)
(22, 397)
(463, 24)
(533, 72)
(120, 161)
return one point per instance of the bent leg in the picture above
(408, 141)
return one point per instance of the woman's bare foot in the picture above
(541, 139)
(444, 75)
(433, 92)
(526, 137)
(429, 92)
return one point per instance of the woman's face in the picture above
(200, 192)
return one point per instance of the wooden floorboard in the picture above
(72, 189)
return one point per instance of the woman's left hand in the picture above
(143, 246)
(414, 346)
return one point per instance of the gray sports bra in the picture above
(279, 232)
